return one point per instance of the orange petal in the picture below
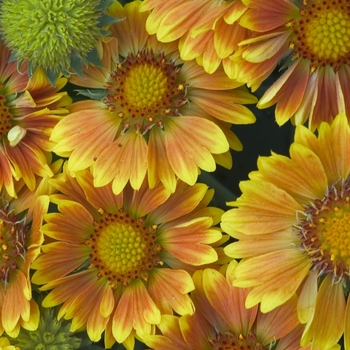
(228, 301)
(129, 162)
(263, 17)
(262, 208)
(135, 310)
(307, 298)
(16, 304)
(327, 325)
(278, 322)
(159, 168)
(276, 281)
(61, 258)
(170, 288)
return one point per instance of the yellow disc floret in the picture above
(322, 33)
(123, 248)
(144, 90)
(325, 232)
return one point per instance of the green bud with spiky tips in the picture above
(57, 35)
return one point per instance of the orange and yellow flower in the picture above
(128, 253)
(156, 115)
(312, 40)
(20, 244)
(29, 109)
(292, 226)
(208, 31)
(221, 320)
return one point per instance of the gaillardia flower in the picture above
(58, 36)
(20, 242)
(221, 320)
(311, 38)
(29, 109)
(208, 31)
(128, 253)
(293, 230)
(154, 113)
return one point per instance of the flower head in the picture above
(221, 320)
(292, 227)
(311, 39)
(29, 109)
(208, 31)
(157, 115)
(127, 252)
(58, 36)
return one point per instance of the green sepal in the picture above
(106, 20)
(286, 62)
(13, 57)
(93, 58)
(96, 94)
(52, 76)
(104, 4)
(297, 2)
(19, 64)
(76, 64)
(30, 68)
(104, 32)
(11, 97)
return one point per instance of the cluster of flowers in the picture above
(109, 112)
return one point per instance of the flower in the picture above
(221, 320)
(209, 31)
(312, 40)
(29, 109)
(54, 35)
(111, 248)
(292, 227)
(158, 115)
(50, 334)
(20, 242)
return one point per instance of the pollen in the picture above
(230, 341)
(145, 90)
(322, 33)
(13, 234)
(327, 240)
(123, 248)
(5, 117)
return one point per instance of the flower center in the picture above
(144, 90)
(325, 232)
(123, 248)
(322, 33)
(229, 341)
(5, 117)
(12, 243)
